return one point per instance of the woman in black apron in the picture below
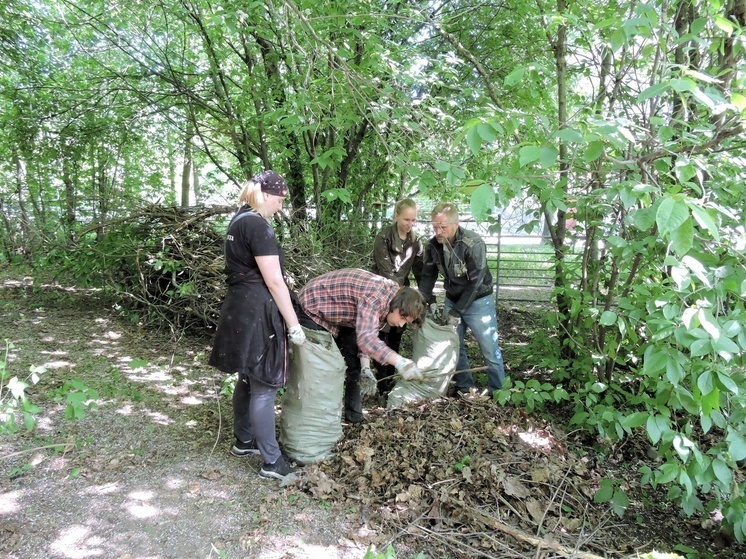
(251, 334)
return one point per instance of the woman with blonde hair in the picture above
(256, 317)
(397, 251)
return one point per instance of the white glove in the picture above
(296, 335)
(407, 369)
(368, 383)
(434, 313)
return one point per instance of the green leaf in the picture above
(727, 382)
(682, 238)
(604, 493)
(706, 382)
(482, 202)
(487, 132)
(708, 323)
(686, 480)
(725, 348)
(528, 154)
(674, 372)
(474, 140)
(700, 348)
(608, 318)
(704, 220)
(698, 25)
(656, 425)
(679, 84)
(515, 76)
(569, 135)
(636, 419)
(644, 218)
(724, 24)
(654, 360)
(710, 402)
(739, 101)
(669, 472)
(722, 472)
(29, 421)
(671, 215)
(620, 502)
(617, 39)
(653, 91)
(593, 152)
(548, 157)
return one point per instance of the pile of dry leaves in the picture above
(478, 480)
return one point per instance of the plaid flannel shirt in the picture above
(354, 298)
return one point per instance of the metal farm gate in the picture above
(523, 268)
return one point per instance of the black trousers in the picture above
(385, 373)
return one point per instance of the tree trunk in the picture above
(186, 170)
(558, 231)
(24, 220)
(7, 238)
(67, 180)
(195, 183)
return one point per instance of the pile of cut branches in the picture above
(166, 263)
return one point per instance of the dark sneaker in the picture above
(278, 470)
(244, 449)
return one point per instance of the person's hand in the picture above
(451, 320)
(407, 369)
(296, 335)
(368, 383)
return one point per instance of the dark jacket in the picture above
(467, 277)
(394, 258)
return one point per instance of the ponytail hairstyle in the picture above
(252, 195)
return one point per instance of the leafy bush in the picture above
(13, 399)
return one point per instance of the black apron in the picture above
(250, 338)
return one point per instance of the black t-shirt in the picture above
(249, 235)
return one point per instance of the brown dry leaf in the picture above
(364, 456)
(571, 524)
(211, 474)
(535, 509)
(540, 475)
(513, 487)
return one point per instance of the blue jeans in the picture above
(481, 319)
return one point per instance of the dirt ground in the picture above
(147, 473)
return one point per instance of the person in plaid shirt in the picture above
(353, 305)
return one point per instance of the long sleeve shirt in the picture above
(354, 298)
